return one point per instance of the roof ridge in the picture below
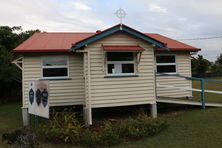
(150, 33)
(68, 32)
(84, 33)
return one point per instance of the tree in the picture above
(10, 75)
(200, 65)
(217, 66)
(219, 60)
(10, 37)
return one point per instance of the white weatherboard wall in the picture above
(183, 61)
(108, 92)
(62, 92)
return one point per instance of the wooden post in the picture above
(153, 107)
(87, 109)
(25, 116)
(155, 84)
(87, 115)
(202, 93)
(153, 110)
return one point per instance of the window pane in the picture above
(110, 68)
(120, 56)
(127, 68)
(55, 72)
(54, 60)
(166, 68)
(165, 59)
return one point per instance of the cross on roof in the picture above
(120, 13)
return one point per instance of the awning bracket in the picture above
(18, 62)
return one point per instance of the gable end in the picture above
(115, 29)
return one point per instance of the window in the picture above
(166, 63)
(55, 67)
(120, 63)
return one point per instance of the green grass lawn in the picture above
(209, 97)
(191, 128)
(10, 118)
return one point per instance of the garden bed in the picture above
(65, 128)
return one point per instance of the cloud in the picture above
(49, 15)
(181, 19)
(157, 8)
(184, 19)
(81, 6)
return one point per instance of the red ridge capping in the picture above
(122, 48)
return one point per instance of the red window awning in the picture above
(132, 48)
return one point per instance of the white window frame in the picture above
(167, 64)
(120, 63)
(57, 66)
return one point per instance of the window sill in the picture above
(55, 79)
(166, 74)
(120, 76)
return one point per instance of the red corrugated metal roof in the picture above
(62, 42)
(122, 48)
(172, 44)
(51, 42)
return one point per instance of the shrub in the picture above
(150, 126)
(106, 137)
(90, 138)
(141, 126)
(129, 128)
(63, 127)
(23, 137)
(109, 135)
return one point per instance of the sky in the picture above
(177, 19)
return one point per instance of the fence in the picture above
(208, 74)
(206, 87)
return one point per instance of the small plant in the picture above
(129, 128)
(23, 137)
(90, 138)
(63, 127)
(109, 135)
(140, 126)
